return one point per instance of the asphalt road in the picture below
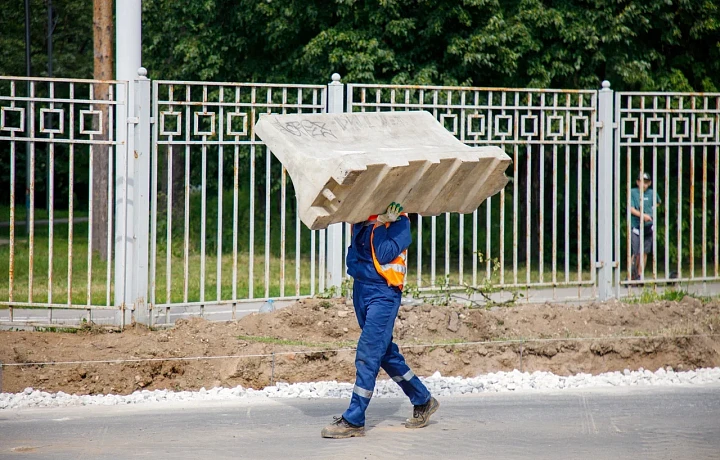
(616, 423)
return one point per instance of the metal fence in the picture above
(524, 237)
(675, 137)
(202, 219)
(213, 164)
(63, 132)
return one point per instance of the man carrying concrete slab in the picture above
(376, 260)
(344, 167)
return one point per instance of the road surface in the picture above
(615, 423)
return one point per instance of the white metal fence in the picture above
(201, 218)
(524, 237)
(62, 129)
(209, 128)
(675, 137)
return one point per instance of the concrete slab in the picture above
(348, 166)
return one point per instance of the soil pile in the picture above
(312, 340)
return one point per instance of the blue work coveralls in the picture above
(376, 307)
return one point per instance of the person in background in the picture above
(376, 260)
(643, 201)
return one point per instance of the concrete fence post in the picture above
(335, 99)
(120, 179)
(138, 210)
(604, 263)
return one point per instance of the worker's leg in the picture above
(394, 364)
(381, 307)
(359, 304)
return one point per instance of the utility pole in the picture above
(50, 28)
(28, 73)
(100, 153)
(128, 31)
(48, 121)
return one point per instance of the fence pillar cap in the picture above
(606, 85)
(335, 78)
(142, 72)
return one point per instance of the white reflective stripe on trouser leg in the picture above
(407, 377)
(362, 392)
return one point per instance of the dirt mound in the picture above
(313, 340)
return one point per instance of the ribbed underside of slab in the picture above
(346, 167)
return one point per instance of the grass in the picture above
(64, 256)
(96, 292)
(273, 289)
(40, 214)
(275, 341)
(454, 278)
(674, 295)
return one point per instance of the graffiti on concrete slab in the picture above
(306, 128)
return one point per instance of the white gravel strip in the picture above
(437, 384)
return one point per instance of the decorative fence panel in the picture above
(530, 235)
(220, 197)
(222, 234)
(675, 138)
(59, 248)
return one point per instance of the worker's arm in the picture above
(389, 242)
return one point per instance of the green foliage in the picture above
(72, 38)
(657, 45)
(639, 45)
(652, 295)
(447, 293)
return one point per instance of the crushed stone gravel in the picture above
(437, 384)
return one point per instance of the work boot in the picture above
(421, 414)
(341, 428)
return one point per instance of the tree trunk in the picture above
(103, 70)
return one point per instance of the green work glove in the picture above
(391, 214)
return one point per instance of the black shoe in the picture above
(341, 428)
(421, 414)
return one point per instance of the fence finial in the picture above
(335, 78)
(606, 85)
(142, 72)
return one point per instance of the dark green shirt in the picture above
(648, 205)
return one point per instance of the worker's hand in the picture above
(647, 218)
(391, 214)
